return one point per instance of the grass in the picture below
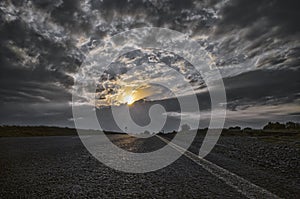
(28, 131)
(291, 136)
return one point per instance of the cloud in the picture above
(148, 69)
(43, 44)
(254, 116)
(266, 32)
(280, 14)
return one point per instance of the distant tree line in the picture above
(277, 125)
(237, 128)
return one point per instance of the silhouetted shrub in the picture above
(273, 126)
(292, 125)
(235, 128)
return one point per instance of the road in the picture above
(60, 167)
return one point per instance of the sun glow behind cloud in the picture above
(130, 92)
(139, 74)
(129, 99)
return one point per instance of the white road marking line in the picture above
(242, 185)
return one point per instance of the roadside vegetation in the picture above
(27, 131)
(270, 129)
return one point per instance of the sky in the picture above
(255, 44)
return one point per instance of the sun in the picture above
(129, 99)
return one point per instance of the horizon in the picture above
(224, 128)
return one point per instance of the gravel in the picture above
(60, 167)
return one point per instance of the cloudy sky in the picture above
(44, 43)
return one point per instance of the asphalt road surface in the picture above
(61, 167)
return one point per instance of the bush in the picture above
(277, 125)
(237, 128)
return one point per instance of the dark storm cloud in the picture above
(262, 87)
(52, 114)
(282, 15)
(36, 58)
(267, 31)
(41, 47)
